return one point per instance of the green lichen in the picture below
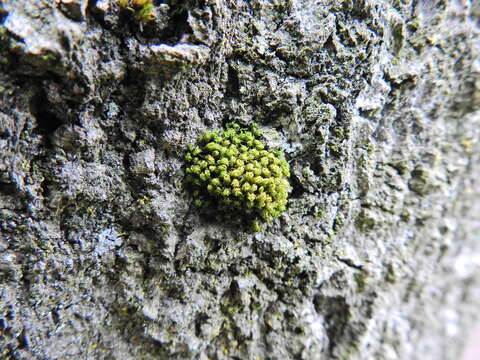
(233, 168)
(361, 280)
(143, 10)
(366, 220)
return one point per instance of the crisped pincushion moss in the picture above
(143, 9)
(234, 168)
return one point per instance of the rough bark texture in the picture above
(376, 105)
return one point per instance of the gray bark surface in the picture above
(376, 105)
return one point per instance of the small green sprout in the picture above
(143, 10)
(234, 168)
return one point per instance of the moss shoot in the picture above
(232, 167)
(143, 10)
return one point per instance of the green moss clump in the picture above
(143, 10)
(233, 167)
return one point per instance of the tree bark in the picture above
(376, 105)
